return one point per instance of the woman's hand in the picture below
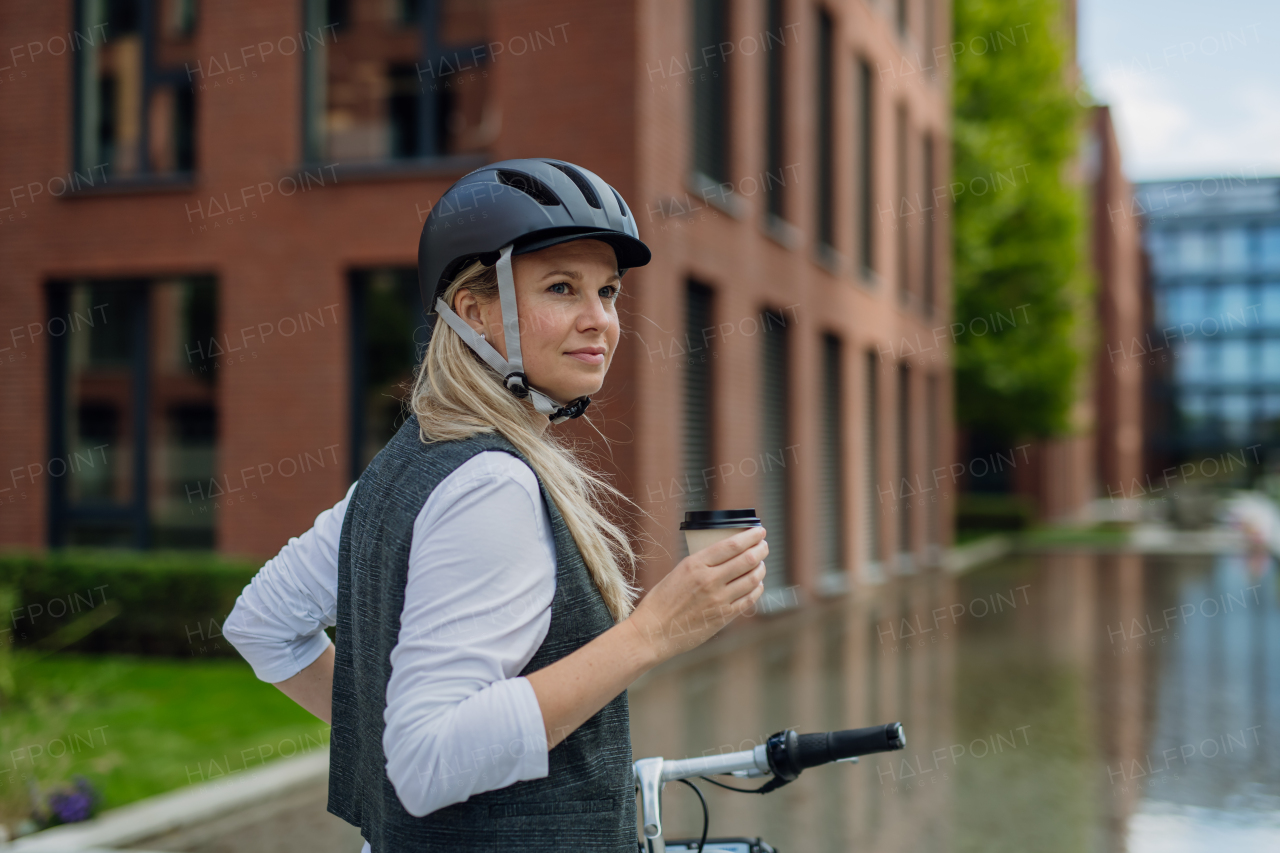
(704, 592)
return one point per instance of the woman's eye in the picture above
(609, 291)
(560, 284)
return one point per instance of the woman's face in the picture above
(568, 317)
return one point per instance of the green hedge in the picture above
(147, 603)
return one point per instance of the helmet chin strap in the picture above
(512, 370)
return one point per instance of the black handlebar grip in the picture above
(825, 747)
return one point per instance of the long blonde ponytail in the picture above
(456, 396)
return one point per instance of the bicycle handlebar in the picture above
(784, 755)
(825, 747)
(787, 753)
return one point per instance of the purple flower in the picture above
(71, 807)
(72, 804)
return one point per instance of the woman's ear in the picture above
(466, 306)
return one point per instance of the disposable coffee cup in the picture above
(707, 527)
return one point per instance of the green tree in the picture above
(1019, 235)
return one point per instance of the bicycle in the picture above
(783, 756)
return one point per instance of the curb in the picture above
(180, 809)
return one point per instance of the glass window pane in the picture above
(1192, 365)
(1193, 251)
(1270, 244)
(710, 96)
(121, 332)
(1235, 361)
(1191, 307)
(391, 315)
(102, 323)
(132, 118)
(1235, 416)
(1166, 304)
(373, 95)
(186, 496)
(1234, 306)
(1233, 249)
(1271, 359)
(1163, 250)
(1194, 408)
(1269, 313)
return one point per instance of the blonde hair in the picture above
(456, 396)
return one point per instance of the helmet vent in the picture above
(530, 186)
(588, 192)
(622, 205)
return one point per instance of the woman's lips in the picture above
(588, 357)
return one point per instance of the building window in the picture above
(826, 129)
(775, 112)
(929, 252)
(137, 75)
(1268, 252)
(866, 170)
(930, 29)
(832, 481)
(386, 324)
(398, 81)
(776, 455)
(871, 548)
(933, 423)
(710, 90)
(899, 205)
(699, 428)
(903, 487)
(134, 414)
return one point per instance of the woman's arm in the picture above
(278, 621)
(313, 687)
(477, 606)
(701, 595)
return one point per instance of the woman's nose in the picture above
(594, 315)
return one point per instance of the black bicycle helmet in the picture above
(512, 207)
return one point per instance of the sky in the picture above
(1193, 85)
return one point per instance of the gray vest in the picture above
(587, 800)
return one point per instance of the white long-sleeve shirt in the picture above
(477, 606)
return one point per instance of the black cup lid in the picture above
(711, 519)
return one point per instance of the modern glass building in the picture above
(1214, 347)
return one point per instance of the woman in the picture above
(486, 632)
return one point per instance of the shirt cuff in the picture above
(275, 662)
(533, 730)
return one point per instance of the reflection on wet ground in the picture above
(1068, 701)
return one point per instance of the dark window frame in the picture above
(777, 340)
(357, 290)
(834, 454)
(929, 237)
(825, 95)
(902, 141)
(710, 108)
(136, 513)
(864, 218)
(430, 103)
(905, 441)
(871, 456)
(153, 77)
(775, 113)
(699, 380)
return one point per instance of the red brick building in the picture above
(209, 226)
(1085, 475)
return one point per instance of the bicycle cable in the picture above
(773, 784)
(706, 815)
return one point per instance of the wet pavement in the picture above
(1067, 701)
(1054, 702)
